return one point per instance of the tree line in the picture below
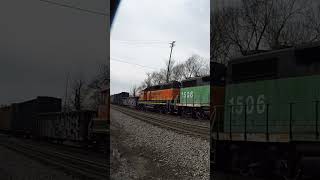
(261, 25)
(85, 93)
(194, 66)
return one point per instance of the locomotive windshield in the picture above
(253, 70)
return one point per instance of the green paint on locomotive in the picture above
(195, 96)
(271, 99)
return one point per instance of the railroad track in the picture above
(72, 164)
(191, 129)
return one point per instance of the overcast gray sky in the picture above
(40, 43)
(142, 31)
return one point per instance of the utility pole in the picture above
(168, 71)
(66, 95)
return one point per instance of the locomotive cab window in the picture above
(190, 83)
(206, 79)
(308, 55)
(254, 70)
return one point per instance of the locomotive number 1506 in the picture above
(187, 94)
(253, 105)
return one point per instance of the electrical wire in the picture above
(141, 41)
(76, 8)
(123, 61)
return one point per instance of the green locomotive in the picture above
(269, 126)
(194, 97)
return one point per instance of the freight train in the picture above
(265, 121)
(41, 118)
(264, 113)
(190, 97)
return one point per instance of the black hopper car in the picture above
(118, 98)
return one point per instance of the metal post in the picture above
(168, 70)
(245, 122)
(230, 119)
(218, 124)
(290, 122)
(267, 123)
(317, 116)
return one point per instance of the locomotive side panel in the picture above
(163, 95)
(290, 101)
(195, 96)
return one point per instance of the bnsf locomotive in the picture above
(268, 122)
(190, 97)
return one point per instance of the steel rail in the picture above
(177, 126)
(73, 164)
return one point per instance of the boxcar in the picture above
(6, 114)
(130, 102)
(25, 113)
(118, 98)
(64, 126)
(271, 114)
(163, 97)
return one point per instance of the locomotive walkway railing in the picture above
(293, 121)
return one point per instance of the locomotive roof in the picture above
(196, 78)
(271, 52)
(40, 97)
(289, 62)
(163, 86)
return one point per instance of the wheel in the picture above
(183, 113)
(200, 115)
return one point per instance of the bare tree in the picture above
(285, 17)
(192, 67)
(204, 67)
(141, 88)
(134, 90)
(177, 72)
(148, 80)
(246, 26)
(78, 93)
(158, 77)
(97, 84)
(219, 43)
(262, 25)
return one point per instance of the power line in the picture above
(74, 7)
(120, 60)
(143, 46)
(141, 41)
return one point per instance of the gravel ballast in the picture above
(15, 166)
(161, 151)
